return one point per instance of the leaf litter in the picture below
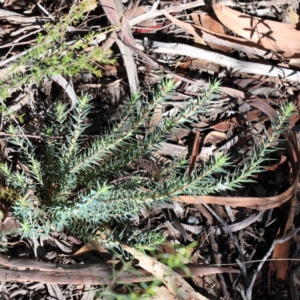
(254, 49)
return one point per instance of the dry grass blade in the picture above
(194, 152)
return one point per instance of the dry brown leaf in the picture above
(93, 246)
(281, 268)
(114, 11)
(156, 117)
(100, 250)
(296, 116)
(9, 224)
(254, 115)
(164, 148)
(210, 23)
(223, 41)
(146, 30)
(167, 247)
(83, 250)
(140, 11)
(232, 92)
(3, 150)
(214, 138)
(205, 212)
(236, 43)
(224, 126)
(278, 37)
(201, 124)
(258, 203)
(251, 100)
(283, 163)
(74, 240)
(197, 38)
(187, 27)
(63, 246)
(150, 166)
(110, 70)
(263, 106)
(149, 25)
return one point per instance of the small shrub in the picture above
(69, 184)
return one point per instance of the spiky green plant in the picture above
(71, 184)
(55, 54)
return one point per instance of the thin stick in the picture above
(225, 226)
(217, 258)
(278, 241)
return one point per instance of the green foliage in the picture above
(176, 261)
(54, 55)
(71, 184)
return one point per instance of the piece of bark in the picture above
(31, 270)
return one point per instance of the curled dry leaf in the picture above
(282, 164)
